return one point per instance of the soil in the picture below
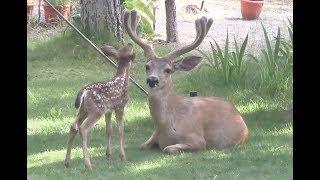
(226, 15)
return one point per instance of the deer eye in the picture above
(147, 67)
(167, 71)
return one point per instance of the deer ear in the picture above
(110, 51)
(187, 63)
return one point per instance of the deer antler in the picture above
(131, 20)
(202, 27)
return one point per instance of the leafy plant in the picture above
(59, 2)
(275, 64)
(237, 57)
(271, 56)
(147, 17)
(230, 64)
(286, 47)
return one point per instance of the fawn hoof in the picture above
(89, 167)
(109, 156)
(122, 157)
(66, 164)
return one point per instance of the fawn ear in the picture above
(110, 51)
(187, 63)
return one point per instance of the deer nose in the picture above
(152, 81)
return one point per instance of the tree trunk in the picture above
(101, 14)
(171, 21)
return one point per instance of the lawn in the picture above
(58, 65)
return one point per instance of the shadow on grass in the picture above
(139, 129)
(246, 162)
(136, 132)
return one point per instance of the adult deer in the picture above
(97, 99)
(185, 124)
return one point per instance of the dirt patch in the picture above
(226, 15)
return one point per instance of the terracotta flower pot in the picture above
(30, 9)
(51, 16)
(30, 6)
(251, 9)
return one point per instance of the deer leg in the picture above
(177, 148)
(109, 133)
(119, 117)
(84, 130)
(151, 142)
(74, 128)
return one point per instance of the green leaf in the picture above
(234, 58)
(254, 58)
(226, 47)
(214, 55)
(290, 34)
(266, 58)
(236, 45)
(143, 8)
(267, 41)
(147, 27)
(276, 47)
(243, 47)
(219, 52)
(147, 18)
(206, 56)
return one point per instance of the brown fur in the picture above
(185, 123)
(97, 99)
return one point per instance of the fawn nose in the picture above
(152, 81)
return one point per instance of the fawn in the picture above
(185, 123)
(97, 99)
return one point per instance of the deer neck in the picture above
(159, 102)
(123, 71)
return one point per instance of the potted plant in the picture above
(63, 6)
(251, 9)
(30, 5)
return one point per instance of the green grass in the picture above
(58, 66)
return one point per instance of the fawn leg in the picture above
(152, 141)
(74, 128)
(119, 117)
(84, 130)
(109, 133)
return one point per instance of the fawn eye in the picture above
(147, 67)
(167, 71)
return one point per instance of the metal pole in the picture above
(94, 46)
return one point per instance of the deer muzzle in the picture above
(152, 81)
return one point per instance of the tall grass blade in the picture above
(226, 48)
(214, 56)
(243, 47)
(267, 41)
(276, 47)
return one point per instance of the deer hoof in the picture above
(171, 150)
(144, 146)
(109, 156)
